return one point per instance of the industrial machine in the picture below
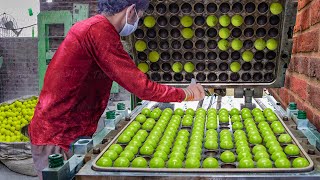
(243, 45)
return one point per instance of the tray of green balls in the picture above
(204, 141)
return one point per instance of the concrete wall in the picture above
(302, 83)
(18, 74)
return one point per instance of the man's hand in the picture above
(194, 92)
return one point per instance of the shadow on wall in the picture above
(19, 71)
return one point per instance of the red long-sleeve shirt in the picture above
(78, 81)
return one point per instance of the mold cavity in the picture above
(167, 77)
(250, 7)
(189, 76)
(212, 8)
(223, 66)
(200, 55)
(212, 32)
(165, 56)
(151, 33)
(212, 66)
(263, 7)
(178, 77)
(249, 20)
(212, 77)
(224, 7)
(212, 55)
(212, 44)
(188, 56)
(155, 77)
(188, 44)
(246, 76)
(174, 21)
(201, 77)
(237, 7)
(246, 66)
(236, 32)
(261, 32)
(223, 77)
(161, 8)
(257, 76)
(174, 8)
(199, 8)
(186, 8)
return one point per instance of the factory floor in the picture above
(6, 173)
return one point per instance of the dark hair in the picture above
(112, 7)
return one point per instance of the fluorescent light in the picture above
(49, 1)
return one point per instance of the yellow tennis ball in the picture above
(247, 56)
(224, 20)
(276, 8)
(235, 67)
(154, 56)
(186, 21)
(224, 33)
(260, 44)
(177, 67)
(237, 20)
(236, 44)
(212, 20)
(140, 45)
(189, 67)
(149, 21)
(187, 33)
(143, 67)
(272, 44)
(223, 45)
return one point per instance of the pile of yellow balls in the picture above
(15, 116)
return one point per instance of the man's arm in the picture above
(109, 54)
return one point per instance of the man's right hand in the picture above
(194, 92)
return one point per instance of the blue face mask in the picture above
(129, 28)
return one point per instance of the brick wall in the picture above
(56, 5)
(302, 83)
(18, 74)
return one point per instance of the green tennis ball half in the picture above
(224, 33)
(149, 21)
(177, 67)
(186, 21)
(223, 45)
(224, 20)
(154, 56)
(235, 67)
(276, 8)
(236, 44)
(260, 44)
(189, 67)
(212, 20)
(272, 44)
(187, 33)
(237, 20)
(143, 67)
(140, 45)
(247, 56)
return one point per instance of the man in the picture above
(79, 78)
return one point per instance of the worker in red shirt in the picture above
(79, 78)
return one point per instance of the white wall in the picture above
(19, 10)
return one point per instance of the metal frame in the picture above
(282, 61)
(44, 19)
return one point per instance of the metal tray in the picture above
(271, 73)
(193, 170)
